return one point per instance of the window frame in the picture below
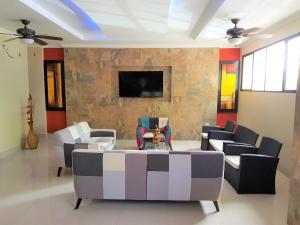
(48, 107)
(285, 40)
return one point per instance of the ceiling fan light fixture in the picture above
(27, 41)
(235, 40)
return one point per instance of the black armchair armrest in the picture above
(220, 135)
(238, 149)
(205, 129)
(257, 173)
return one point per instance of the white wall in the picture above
(13, 96)
(36, 88)
(271, 114)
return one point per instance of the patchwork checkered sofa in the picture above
(80, 135)
(146, 125)
(148, 175)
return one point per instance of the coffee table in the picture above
(148, 145)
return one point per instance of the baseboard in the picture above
(8, 152)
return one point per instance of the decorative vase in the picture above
(32, 138)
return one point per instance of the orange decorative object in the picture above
(156, 136)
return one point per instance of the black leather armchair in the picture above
(252, 170)
(204, 134)
(218, 140)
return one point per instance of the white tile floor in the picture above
(31, 194)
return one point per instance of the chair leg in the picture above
(78, 203)
(59, 171)
(216, 205)
(171, 147)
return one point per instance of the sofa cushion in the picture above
(162, 122)
(73, 132)
(108, 140)
(270, 147)
(150, 135)
(233, 160)
(83, 133)
(245, 135)
(218, 144)
(144, 122)
(85, 127)
(204, 135)
(229, 126)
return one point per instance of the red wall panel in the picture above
(56, 120)
(223, 117)
(228, 54)
(53, 54)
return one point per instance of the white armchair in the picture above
(80, 136)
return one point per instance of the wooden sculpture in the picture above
(32, 138)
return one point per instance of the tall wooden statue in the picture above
(32, 138)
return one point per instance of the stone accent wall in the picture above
(294, 199)
(191, 81)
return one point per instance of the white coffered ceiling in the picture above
(142, 23)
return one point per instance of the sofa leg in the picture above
(59, 171)
(78, 203)
(216, 205)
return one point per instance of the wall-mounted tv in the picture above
(144, 84)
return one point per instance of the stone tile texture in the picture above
(190, 88)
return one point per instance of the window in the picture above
(54, 85)
(293, 57)
(247, 72)
(259, 70)
(274, 68)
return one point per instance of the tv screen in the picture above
(145, 84)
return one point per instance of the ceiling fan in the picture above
(28, 36)
(236, 34)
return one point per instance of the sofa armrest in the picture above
(103, 133)
(238, 149)
(168, 134)
(69, 148)
(257, 173)
(219, 135)
(205, 129)
(257, 161)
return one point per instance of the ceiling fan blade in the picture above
(40, 42)
(11, 39)
(250, 30)
(48, 37)
(266, 36)
(10, 34)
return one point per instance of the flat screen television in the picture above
(144, 84)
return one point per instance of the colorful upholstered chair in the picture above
(145, 127)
